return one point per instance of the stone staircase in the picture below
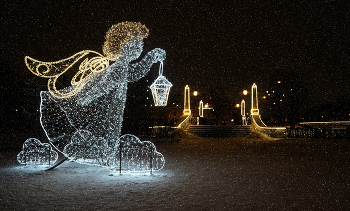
(219, 130)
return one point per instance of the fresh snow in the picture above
(199, 174)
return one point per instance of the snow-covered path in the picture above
(199, 174)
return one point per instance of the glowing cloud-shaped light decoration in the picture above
(35, 152)
(160, 88)
(83, 121)
(131, 154)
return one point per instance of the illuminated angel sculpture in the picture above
(84, 119)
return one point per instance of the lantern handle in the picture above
(161, 68)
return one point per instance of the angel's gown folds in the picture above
(88, 124)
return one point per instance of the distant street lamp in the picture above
(245, 92)
(195, 93)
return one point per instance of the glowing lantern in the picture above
(160, 88)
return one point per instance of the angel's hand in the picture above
(157, 55)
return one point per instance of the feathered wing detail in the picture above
(53, 70)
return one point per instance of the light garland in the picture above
(160, 88)
(84, 120)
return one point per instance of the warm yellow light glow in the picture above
(187, 109)
(245, 92)
(237, 105)
(264, 97)
(254, 110)
(118, 34)
(201, 109)
(243, 108)
(195, 93)
(244, 120)
(53, 70)
(279, 82)
(118, 37)
(206, 105)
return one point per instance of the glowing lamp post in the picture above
(160, 88)
(187, 110)
(201, 114)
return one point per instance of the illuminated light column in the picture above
(255, 110)
(201, 108)
(187, 110)
(243, 112)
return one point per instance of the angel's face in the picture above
(133, 50)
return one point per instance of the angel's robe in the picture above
(98, 107)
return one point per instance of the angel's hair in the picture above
(125, 32)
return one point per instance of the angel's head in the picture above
(125, 39)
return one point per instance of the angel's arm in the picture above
(141, 68)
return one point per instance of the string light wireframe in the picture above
(53, 70)
(187, 109)
(35, 152)
(254, 110)
(84, 120)
(160, 88)
(244, 118)
(131, 154)
(201, 108)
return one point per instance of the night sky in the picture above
(230, 44)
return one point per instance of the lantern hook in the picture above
(161, 68)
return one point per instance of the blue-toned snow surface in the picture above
(199, 174)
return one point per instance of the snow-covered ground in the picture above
(199, 174)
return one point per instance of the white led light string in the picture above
(84, 120)
(160, 88)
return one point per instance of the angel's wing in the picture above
(53, 70)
